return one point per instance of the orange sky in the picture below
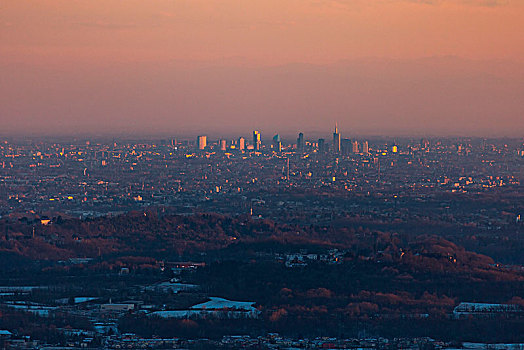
(64, 37)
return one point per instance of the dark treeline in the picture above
(154, 234)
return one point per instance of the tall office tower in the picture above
(394, 148)
(321, 145)
(345, 146)
(223, 145)
(424, 143)
(201, 142)
(365, 148)
(336, 140)
(277, 144)
(241, 143)
(257, 141)
(300, 142)
(354, 147)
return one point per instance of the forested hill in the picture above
(150, 234)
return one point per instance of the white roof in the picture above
(485, 307)
(220, 303)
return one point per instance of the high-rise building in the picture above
(257, 141)
(287, 170)
(394, 149)
(321, 145)
(277, 144)
(354, 147)
(345, 146)
(300, 142)
(241, 143)
(365, 148)
(201, 142)
(223, 146)
(336, 140)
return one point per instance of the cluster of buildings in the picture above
(216, 307)
(338, 145)
(303, 182)
(83, 179)
(85, 340)
(302, 258)
(466, 310)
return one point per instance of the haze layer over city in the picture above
(262, 174)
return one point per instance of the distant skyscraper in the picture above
(277, 144)
(257, 141)
(365, 148)
(202, 142)
(300, 142)
(223, 145)
(321, 145)
(394, 149)
(336, 140)
(287, 169)
(354, 147)
(241, 143)
(345, 146)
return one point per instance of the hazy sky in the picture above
(226, 67)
